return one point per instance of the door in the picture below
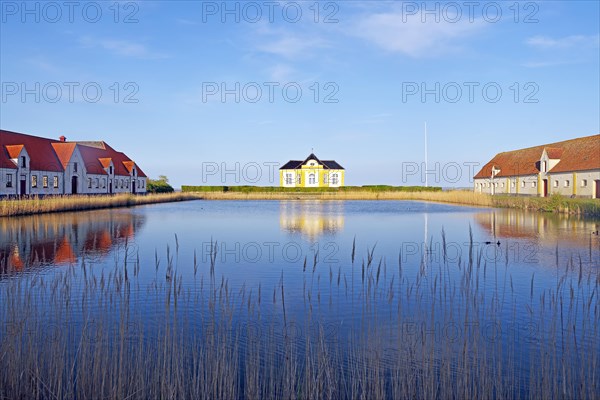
(133, 187)
(545, 188)
(74, 185)
(110, 187)
(597, 189)
(22, 187)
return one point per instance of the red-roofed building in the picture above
(32, 165)
(569, 168)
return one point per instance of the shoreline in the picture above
(554, 204)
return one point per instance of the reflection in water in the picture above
(545, 228)
(61, 239)
(311, 218)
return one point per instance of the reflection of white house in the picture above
(569, 168)
(311, 172)
(31, 165)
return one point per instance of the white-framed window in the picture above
(502, 185)
(97, 183)
(513, 184)
(299, 179)
(311, 179)
(9, 180)
(127, 183)
(33, 181)
(288, 179)
(584, 183)
(89, 183)
(533, 184)
(544, 166)
(74, 167)
(103, 183)
(45, 181)
(567, 183)
(522, 184)
(335, 179)
(325, 177)
(556, 183)
(55, 181)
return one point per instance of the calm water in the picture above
(255, 247)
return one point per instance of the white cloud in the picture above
(568, 42)
(123, 48)
(394, 32)
(281, 72)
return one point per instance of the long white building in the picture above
(570, 168)
(32, 165)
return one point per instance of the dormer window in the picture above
(544, 166)
(110, 170)
(23, 162)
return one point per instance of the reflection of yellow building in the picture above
(311, 218)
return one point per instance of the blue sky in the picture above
(361, 68)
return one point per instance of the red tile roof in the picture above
(54, 155)
(40, 150)
(579, 154)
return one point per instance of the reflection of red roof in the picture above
(579, 154)
(64, 253)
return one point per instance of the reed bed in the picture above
(457, 197)
(91, 332)
(39, 205)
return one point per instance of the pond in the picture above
(303, 298)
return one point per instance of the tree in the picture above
(160, 185)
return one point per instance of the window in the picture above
(143, 183)
(523, 184)
(533, 184)
(502, 185)
(556, 183)
(311, 179)
(33, 180)
(334, 179)
(97, 182)
(110, 170)
(9, 180)
(288, 179)
(567, 183)
(103, 183)
(89, 183)
(134, 172)
(544, 166)
(23, 162)
(299, 179)
(55, 181)
(74, 167)
(583, 182)
(325, 177)
(45, 181)
(127, 183)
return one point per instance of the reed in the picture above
(105, 333)
(39, 205)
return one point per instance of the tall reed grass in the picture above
(107, 333)
(39, 205)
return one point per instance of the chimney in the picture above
(62, 139)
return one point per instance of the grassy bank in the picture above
(557, 204)
(38, 205)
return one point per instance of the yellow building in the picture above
(311, 172)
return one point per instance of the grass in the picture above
(94, 333)
(556, 203)
(39, 205)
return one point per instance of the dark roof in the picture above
(579, 154)
(327, 164)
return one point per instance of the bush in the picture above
(160, 185)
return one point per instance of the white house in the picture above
(32, 165)
(570, 168)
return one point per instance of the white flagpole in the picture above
(426, 159)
